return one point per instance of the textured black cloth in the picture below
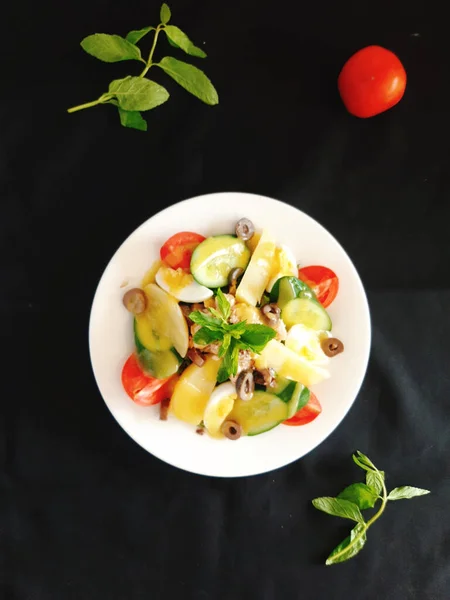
(85, 513)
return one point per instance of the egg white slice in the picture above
(284, 264)
(306, 343)
(181, 285)
(218, 407)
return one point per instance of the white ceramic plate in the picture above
(111, 338)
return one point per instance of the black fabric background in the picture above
(85, 513)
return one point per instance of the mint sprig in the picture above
(135, 94)
(232, 336)
(357, 497)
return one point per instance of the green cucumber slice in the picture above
(215, 257)
(288, 288)
(299, 399)
(284, 388)
(156, 363)
(262, 413)
(308, 312)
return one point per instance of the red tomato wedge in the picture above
(323, 281)
(176, 252)
(142, 388)
(306, 414)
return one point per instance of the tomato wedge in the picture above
(306, 414)
(176, 252)
(143, 389)
(323, 281)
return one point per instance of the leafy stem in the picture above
(152, 50)
(366, 526)
(103, 98)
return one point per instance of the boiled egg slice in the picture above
(283, 264)
(181, 285)
(306, 343)
(218, 407)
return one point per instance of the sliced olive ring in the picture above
(245, 385)
(272, 312)
(332, 346)
(234, 275)
(231, 430)
(135, 301)
(245, 229)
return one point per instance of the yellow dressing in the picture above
(149, 276)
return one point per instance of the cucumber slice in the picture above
(215, 257)
(295, 394)
(308, 312)
(157, 363)
(288, 288)
(262, 413)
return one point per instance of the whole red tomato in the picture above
(371, 81)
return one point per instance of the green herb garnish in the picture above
(131, 95)
(232, 336)
(357, 497)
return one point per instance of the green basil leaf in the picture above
(223, 304)
(236, 329)
(190, 78)
(338, 508)
(179, 38)
(375, 480)
(206, 336)
(225, 344)
(138, 93)
(132, 119)
(137, 34)
(165, 14)
(363, 461)
(349, 547)
(257, 336)
(229, 364)
(360, 494)
(206, 320)
(405, 492)
(110, 48)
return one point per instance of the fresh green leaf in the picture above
(182, 41)
(229, 362)
(205, 320)
(137, 34)
(190, 78)
(350, 546)
(223, 305)
(206, 336)
(236, 329)
(405, 492)
(172, 43)
(363, 462)
(165, 14)
(225, 344)
(339, 508)
(110, 48)
(138, 93)
(257, 336)
(132, 119)
(375, 480)
(360, 494)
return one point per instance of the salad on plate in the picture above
(230, 334)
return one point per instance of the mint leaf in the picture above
(405, 492)
(206, 320)
(223, 305)
(137, 93)
(225, 344)
(229, 364)
(216, 313)
(110, 48)
(360, 494)
(206, 336)
(132, 119)
(349, 547)
(181, 40)
(364, 462)
(165, 14)
(137, 34)
(338, 508)
(375, 480)
(190, 78)
(257, 336)
(236, 329)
